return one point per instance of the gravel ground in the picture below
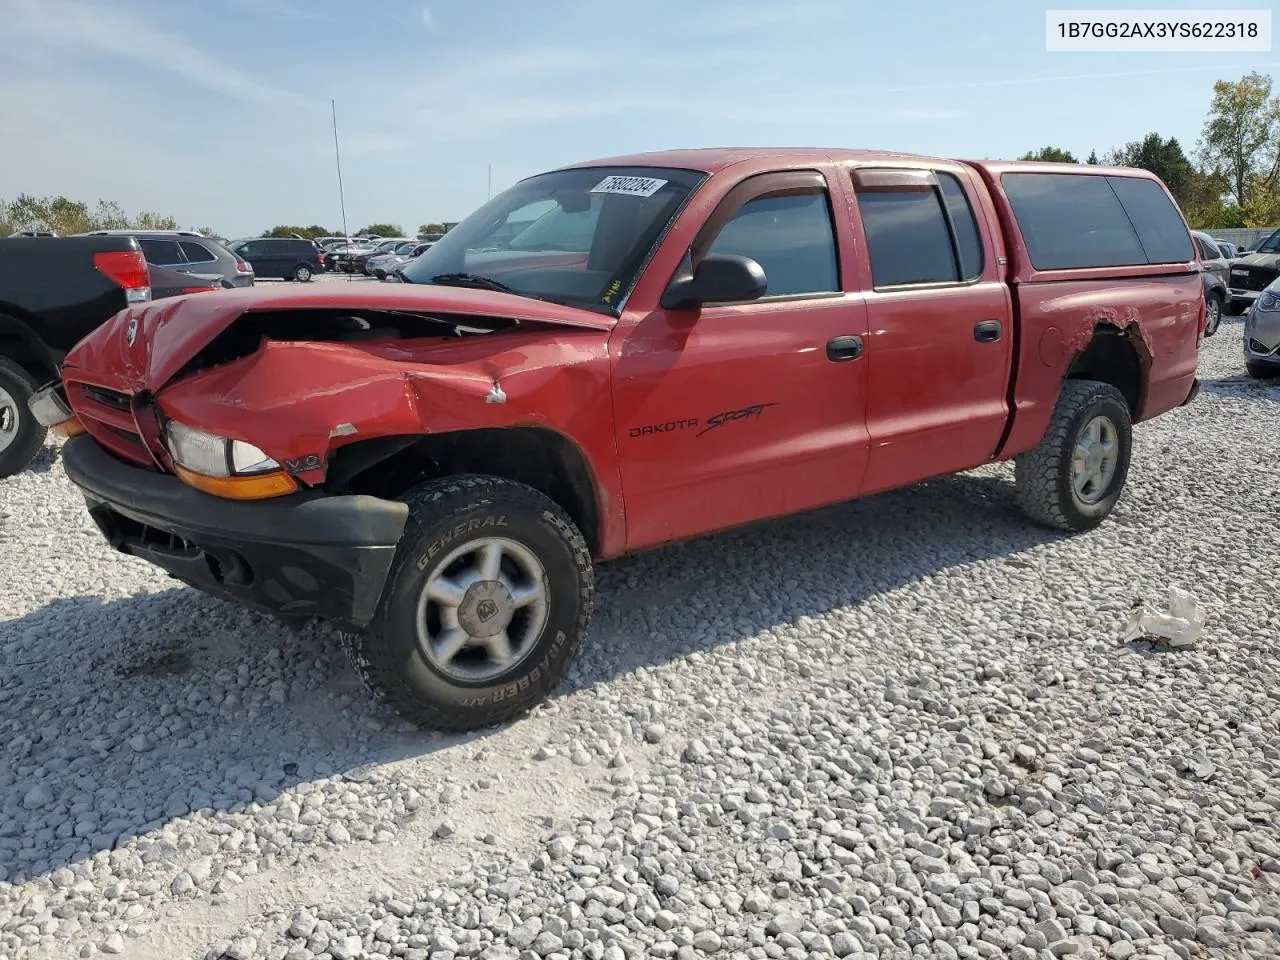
(903, 727)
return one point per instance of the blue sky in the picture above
(218, 112)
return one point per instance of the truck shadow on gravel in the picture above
(120, 717)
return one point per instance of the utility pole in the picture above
(489, 190)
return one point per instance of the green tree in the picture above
(1050, 155)
(383, 230)
(1166, 160)
(109, 215)
(310, 233)
(431, 228)
(147, 220)
(1241, 137)
(65, 216)
(1093, 158)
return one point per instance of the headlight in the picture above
(1269, 300)
(215, 456)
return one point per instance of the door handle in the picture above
(988, 331)
(844, 348)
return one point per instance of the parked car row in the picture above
(386, 264)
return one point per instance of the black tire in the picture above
(1262, 371)
(1213, 315)
(303, 273)
(24, 433)
(387, 654)
(1045, 489)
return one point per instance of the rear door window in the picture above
(163, 253)
(907, 238)
(197, 252)
(920, 227)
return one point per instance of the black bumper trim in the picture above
(1192, 393)
(303, 555)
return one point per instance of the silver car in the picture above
(383, 264)
(1262, 334)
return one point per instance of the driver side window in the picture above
(791, 236)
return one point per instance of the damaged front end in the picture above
(211, 439)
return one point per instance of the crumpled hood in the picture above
(148, 344)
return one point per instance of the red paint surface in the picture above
(924, 399)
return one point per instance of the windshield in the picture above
(577, 237)
(1271, 244)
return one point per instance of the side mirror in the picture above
(719, 278)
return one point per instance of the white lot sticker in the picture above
(631, 186)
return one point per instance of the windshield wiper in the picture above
(471, 280)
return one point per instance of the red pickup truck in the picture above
(616, 355)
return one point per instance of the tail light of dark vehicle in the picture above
(128, 268)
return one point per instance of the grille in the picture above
(108, 417)
(1258, 278)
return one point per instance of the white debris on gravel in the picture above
(896, 728)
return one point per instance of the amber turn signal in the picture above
(259, 486)
(68, 428)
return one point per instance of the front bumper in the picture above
(304, 555)
(1242, 295)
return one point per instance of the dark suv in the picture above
(283, 258)
(186, 251)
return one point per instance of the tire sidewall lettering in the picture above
(457, 531)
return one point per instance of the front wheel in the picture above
(302, 273)
(1073, 478)
(1212, 316)
(21, 435)
(485, 606)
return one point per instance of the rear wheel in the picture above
(1213, 315)
(1073, 478)
(302, 273)
(484, 609)
(21, 435)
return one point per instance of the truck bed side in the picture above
(1155, 309)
